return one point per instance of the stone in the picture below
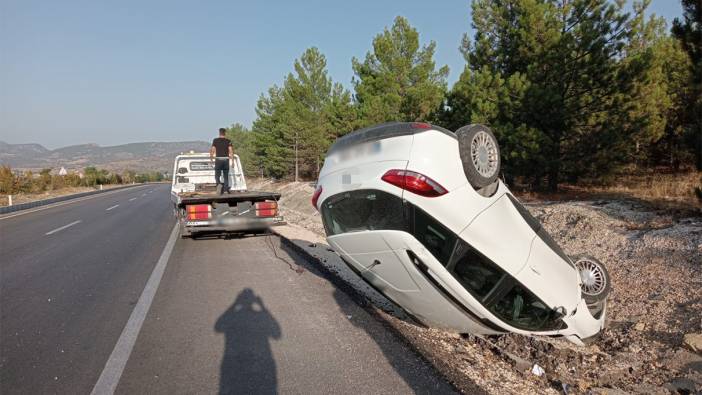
(693, 341)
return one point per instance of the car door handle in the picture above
(374, 264)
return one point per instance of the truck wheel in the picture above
(480, 154)
(595, 281)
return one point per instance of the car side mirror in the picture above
(559, 312)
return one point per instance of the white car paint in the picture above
(491, 225)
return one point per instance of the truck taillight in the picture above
(266, 209)
(198, 208)
(267, 205)
(199, 211)
(266, 213)
(414, 182)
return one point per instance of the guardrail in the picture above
(38, 203)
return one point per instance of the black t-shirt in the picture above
(221, 145)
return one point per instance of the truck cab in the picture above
(200, 209)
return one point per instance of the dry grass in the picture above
(31, 197)
(660, 188)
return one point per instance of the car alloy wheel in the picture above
(483, 151)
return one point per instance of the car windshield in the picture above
(499, 292)
(522, 309)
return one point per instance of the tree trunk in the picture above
(296, 159)
(553, 173)
(554, 166)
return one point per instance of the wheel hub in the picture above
(484, 154)
(592, 277)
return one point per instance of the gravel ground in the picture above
(655, 260)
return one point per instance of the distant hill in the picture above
(134, 156)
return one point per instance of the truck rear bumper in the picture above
(237, 224)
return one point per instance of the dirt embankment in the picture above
(655, 260)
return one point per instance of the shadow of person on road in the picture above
(419, 375)
(248, 365)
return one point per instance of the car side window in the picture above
(362, 210)
(475, 272)
(435, 237)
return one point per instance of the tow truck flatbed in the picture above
(231, 197)
(199, 207)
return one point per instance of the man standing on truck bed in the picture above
(221, 153)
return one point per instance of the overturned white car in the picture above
(420, 214)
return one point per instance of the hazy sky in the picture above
(74, 72)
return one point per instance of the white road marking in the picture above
(48, 206)
(110, 208)
(63, 227)
(109, 378)
(132, 199)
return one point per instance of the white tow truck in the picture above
(200, 209)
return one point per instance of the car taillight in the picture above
(420, 125)
(266, 209)
(315, 196)
(414, 182)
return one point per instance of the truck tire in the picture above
(480, 155)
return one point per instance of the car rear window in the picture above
(362, 210)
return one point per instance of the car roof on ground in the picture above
(384, 131)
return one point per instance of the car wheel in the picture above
(595, 281)
(480, 154)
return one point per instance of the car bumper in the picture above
(236, 224)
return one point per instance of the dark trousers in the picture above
(222, 170)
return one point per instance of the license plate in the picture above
(196, 223)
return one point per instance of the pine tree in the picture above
(689, 32)
(297, 123)
(558, 88)
(398, 80)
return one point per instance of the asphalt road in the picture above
(227, 315)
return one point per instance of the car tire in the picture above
(480, 154)
(595, 280)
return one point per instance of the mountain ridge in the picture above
(139, 156)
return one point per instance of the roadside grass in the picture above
(32, 197)
(658, 187)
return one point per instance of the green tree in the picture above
(689, 31)
(398, 80)
(660, 94)
(297, 123)
(7, 180)
(272, 144)
(548, 76)
(90, 176)
(242, 141)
